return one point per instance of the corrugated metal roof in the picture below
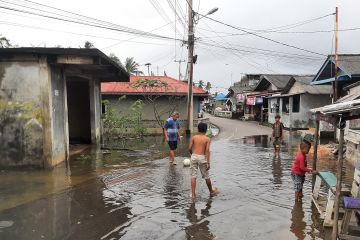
(338, 108)
(348, 97)
(317, 89)
(278, 80)
(350, 63)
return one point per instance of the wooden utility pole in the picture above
(336, 83)
(191, 39)
(179, 61)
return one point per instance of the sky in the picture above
(224, 53)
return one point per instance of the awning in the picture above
(286, 95)
(338, 108)
(348, 97)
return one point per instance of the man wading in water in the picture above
(172, 136)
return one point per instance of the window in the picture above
(285, 104)
(296, 104)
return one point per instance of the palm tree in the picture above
(201, 84)
(208, 86)
(132, 67)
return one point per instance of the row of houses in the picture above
(261, 97)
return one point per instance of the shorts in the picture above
(277, 142)
(173, 145)
(298, 182)
(199, 162)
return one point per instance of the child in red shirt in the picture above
(299, 168)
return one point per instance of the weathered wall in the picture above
(162, 105)
(95, 111)
(58, 96)
(22, 112)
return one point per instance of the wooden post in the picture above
(338, 183)
(317, 131)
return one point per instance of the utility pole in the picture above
(148, 66)
(191, 39)
(179, 61)
(336, 82)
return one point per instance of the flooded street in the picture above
(128, 194)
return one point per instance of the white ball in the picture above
(186, 162)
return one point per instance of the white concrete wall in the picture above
(304, 118)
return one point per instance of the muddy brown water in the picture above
(128, 194)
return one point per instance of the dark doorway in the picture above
(78, 101)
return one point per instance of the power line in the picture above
(259, 36)
(119, 29)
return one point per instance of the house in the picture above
(348, 72)
(257, 105)
(296, 100)
(236, 94)
(159, 102)
(219, 101)
(50, 98)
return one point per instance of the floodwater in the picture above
(135, 194)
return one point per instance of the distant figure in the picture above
(299, 168)
(199, 149)
(172, 136)
(277, 134)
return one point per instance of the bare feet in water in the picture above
(214, 192)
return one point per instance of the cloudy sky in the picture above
(224, 53)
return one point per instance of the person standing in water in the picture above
(277, 134)
(172, 136)
(199, 149)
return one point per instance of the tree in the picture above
(201, 84)
(4, 42)
(208, 86)
(151, 89)
(132, 67)
(88, 45)
(113, 57)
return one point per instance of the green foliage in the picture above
(132, 67)
(19, 110)
(117, 125)
(208, 86)
(4, 42)
(88, 45)
(201, 84)
(149, 84)
(113, 57)
(151, 89)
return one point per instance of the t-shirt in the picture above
(299, 166)
(172, 127)
(277, 129)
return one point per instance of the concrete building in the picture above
(50, 98)
(166, 100)
(236, 94)
(257, 105)
(296, 100)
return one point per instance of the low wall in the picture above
(224, 114)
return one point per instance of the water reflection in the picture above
(199, 228)
(277, 170)
(298, 223)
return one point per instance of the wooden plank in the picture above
(329, 178)
(318, 207)
(348, 237)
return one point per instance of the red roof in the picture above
(175, 87)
